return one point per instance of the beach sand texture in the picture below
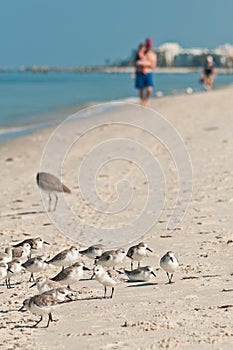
(194, 312)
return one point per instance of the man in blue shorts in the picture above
(146, 61)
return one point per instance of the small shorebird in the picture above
(41, 305)
(45, 284)
(137, 253)
(71, 274)
(35, 243)
(6, 256)
(169, 264)
(22, 253)
(142, 274)
(107, 278)
(14, 267)
(93, 251)
(3, 271)
(111, 258)
(65, 258)
(35, 264)
(61, 293)
(51, 184)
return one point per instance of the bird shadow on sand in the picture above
(141, 284)
(33, 212)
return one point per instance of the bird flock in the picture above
(56, 290)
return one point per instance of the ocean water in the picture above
(30, 100)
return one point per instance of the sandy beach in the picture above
(194, 312)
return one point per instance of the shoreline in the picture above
(110, 69)
(57, 116)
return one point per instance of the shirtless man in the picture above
(144, 75)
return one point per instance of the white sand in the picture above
(187, 314)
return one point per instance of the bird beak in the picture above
(10, 270)
(69, 297)
(46, 243)
(92, 276)
(22, 309)
(150, 250)
(33, 285)
(86, 268)
(72, 290)
(152, 272)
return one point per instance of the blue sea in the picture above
(31, 100)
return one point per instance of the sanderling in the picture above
(71, 274)
(137, 253)
(6, 256)
(169, 264)
(61, 293)
(111, 258)
(142, 274)
(65, 258)
(93, 251)
(41, 305)
(106, 278)
(22, 253)
(3, 271)
(35, 243)
(14, 267)
(44, 284)
(51, 184)
(35, 264)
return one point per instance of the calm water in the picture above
(31, 99)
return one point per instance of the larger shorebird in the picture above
(51, 185)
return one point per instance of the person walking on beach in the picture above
(208, 73)
(145, 62)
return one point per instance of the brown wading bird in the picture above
(44, 304)
(51, 184)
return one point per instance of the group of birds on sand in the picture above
(57, 289)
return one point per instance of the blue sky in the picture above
(85, 32)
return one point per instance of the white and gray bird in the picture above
(111, 258)
(71, 274)
(51, 185)
(42, 305)
(142, 274)
(109, 278)
(138, 252)
(94, 251)
(35, 243)
(3, 271)
(6, 256)
(45, 284)
(22, 253)
(34, 265)
(65, 258)
(14, 268)
(169, 264)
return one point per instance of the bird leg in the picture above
(50, 199)
(105, 291)
(138, 264)
(31, 279)
(55, 206)
(49, 319)
(41, 318)
(131, 265)
(112, 292)
(170, 280)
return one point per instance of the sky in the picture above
(89, 32)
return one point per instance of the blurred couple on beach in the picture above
(145, 62)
